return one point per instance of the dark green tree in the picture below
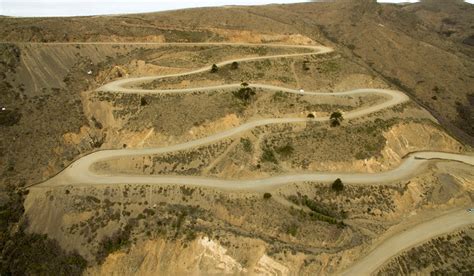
(336, 118)
(245, 93)
(337, 185)
(214, 68)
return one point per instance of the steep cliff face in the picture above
(202, 256)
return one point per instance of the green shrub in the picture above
(268, 156)
(336, 118)
(214, 68)
(295, 199)
(267, 195)
(35, 254)
(234, 65)
(113, 243)
(318, 212)
(31, 254)
(280, 96)
(9, 117)
(292, 229)
(337, 185)
(245, 94)
(286, 150)
(315, 207)
(305, 65)
(149, 212)
(246, 144)
(329, 67)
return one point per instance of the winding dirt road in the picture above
(404, 240)
(123, 85)
(79, 172)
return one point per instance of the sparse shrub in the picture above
(246, 144)
(310, 115)
(469, 40)
(267, 195)
(113, 243)
(318, 211)
(448, 21)
(96, 123)
(149, 212)
(190, 235)
(214, 68)
(92, 199)
(305, 65)
(315, 207)
(351, 47)
(179, 222)
(337, 185)
(335, 119)
(245, 93)
(286, 150)
(268, 156)
(292, 229)
(35, 254)
(329, 67)
(96, 142)
(187, 191)
(295, 199)
(234, 65)
(465, 119)
(22, 253)
(9, 117)
(279, 96)
(143, 101)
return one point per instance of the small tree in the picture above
(234, 65)
(214, 68)
(336, 119)
(337, 185)
(267, 196)
(311, 115)
(245, 93)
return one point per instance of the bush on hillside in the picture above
(214, 68)
(335, 119)
(337, 185)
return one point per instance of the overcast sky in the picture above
(94, 7)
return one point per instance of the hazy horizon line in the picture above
(55, 8)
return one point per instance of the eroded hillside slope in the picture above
(424, 48)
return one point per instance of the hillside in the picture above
(278, 139)
(412, 46)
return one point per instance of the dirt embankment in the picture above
(202, 255)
